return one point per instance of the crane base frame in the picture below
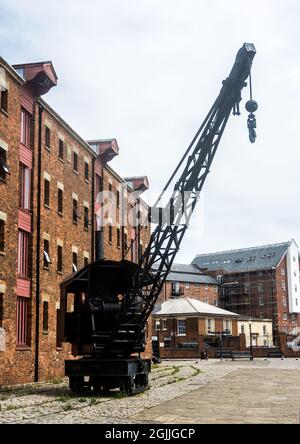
(102, 375)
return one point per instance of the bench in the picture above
(241, 355)
(225, 354)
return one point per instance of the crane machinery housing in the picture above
(114, 299)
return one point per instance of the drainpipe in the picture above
(38, 245)
(93, 210)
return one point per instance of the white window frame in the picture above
(179, 328)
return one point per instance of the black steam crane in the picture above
(113, 300)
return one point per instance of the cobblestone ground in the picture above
(176, 388)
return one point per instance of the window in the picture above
(45, 316)
(283, 301)
(187, 286)
(181, 327)
(296, 287)
(216, 302)
(75, 211)
(22, 322)
(118, 198)
(284, 316)
(283, 285)
(46, 192)
(86, 218)
(110, 233)
(261, 301)
(296, 302)
(110, 187)
(74, 261)
(60, 200)
(206, 300)
(99, 184)
(26, 133)
(132, 250)
(23, 254)
(216, 289)
(242, 329)
(60, 149)
(47, 137)
(247, 287)
(47, 260)
(4, 100)
(197, 287)
(59, 259)
(75, 162)
(58, 336)
(2, 236)
(164, 324)
(205, 287)
(209, 325)
(86, 171)
(24, 187)
(3, 164)
(219, 279)
(264, 330)
(118, 237)
(85, 261)
(282, 272)
(260, 288)
(125, 246)
(227, 325)
(140, 251)
(1, 309)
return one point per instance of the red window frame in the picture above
(22, 322)
(25, 128)
(23, 241)
(24, 187)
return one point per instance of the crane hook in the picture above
(251, 106)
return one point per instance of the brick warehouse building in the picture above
(188, 281)
(261, 282)
(49, 180)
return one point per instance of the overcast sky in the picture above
(147, 71)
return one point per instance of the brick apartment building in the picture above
(188, 281)
(260, 282)
(49, 219)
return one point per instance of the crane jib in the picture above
(174, 218)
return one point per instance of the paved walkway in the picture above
(180, 392)
(247, 395)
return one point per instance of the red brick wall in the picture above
(204, 293)
(62, 228)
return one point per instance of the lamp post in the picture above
(251, 349)
(221, 347)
